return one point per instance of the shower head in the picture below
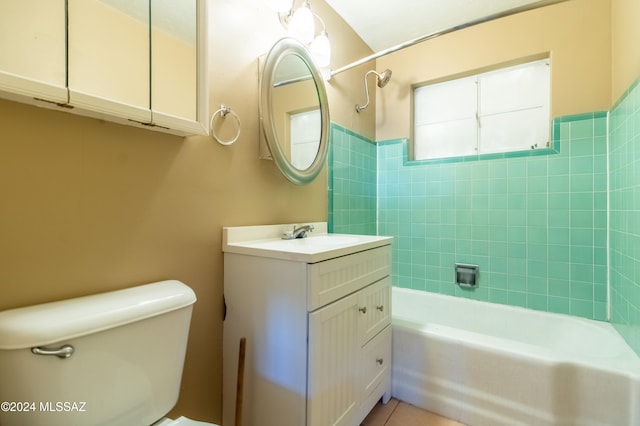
(384, 77)
(382, 80)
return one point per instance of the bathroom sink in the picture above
(313, 243)
(266, 241)
(326, 240)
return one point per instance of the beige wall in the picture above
(89, 206)
(625, 15)
(577, 34)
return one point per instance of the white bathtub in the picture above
(487, 364)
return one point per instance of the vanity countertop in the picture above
(266, 241)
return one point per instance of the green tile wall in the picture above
(535, 224)
(624, 187)
(352, 183)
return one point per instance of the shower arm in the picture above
(366, 89)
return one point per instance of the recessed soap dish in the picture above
(467, 275)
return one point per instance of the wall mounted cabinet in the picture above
(140, 62)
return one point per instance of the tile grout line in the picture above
(391, 414)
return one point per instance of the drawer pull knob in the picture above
(380, 308)
(380, 361)
(363, 309)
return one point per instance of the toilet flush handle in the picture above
(63, 352)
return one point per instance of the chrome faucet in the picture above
(299, 232)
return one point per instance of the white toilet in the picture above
(111, 359)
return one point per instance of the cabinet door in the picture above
(176, 32)
(376, 367)
(333, 386)
(374, 309)
(32, 49)
(108, 57)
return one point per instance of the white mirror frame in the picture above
(282, 48)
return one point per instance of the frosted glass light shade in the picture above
(321, 50)
(301, 25)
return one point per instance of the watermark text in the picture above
(48, 406)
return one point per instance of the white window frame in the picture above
(499, 111)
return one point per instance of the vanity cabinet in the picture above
(140, 63)
(318, 336)
(349, 359)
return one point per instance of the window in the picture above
(504, 110)
(304, 138)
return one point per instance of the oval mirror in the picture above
(294, 111)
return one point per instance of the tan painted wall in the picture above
(625, 15)
(89, 206)
(577, 33)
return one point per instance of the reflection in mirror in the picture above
(304, 137)
(294, 111)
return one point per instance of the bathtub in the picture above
(487, 364)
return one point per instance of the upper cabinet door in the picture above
(108, 57)
(177, 60)
(32, 33)
(174, 57)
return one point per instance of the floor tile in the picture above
(380, 413)
(409, 415)
(398, 413)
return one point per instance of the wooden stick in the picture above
(240, 381)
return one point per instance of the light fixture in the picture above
(320, 49)
(300, 24)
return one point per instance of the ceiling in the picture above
(386, 23)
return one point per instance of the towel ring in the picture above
(223, 111)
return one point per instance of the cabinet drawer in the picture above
(374, 309)
(335, 278)
(376, 363)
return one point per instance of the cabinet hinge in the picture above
(149, 124)
(60, 104)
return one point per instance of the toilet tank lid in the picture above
(54, 322)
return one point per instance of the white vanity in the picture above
(316, 316)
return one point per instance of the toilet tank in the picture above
(126, 366)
